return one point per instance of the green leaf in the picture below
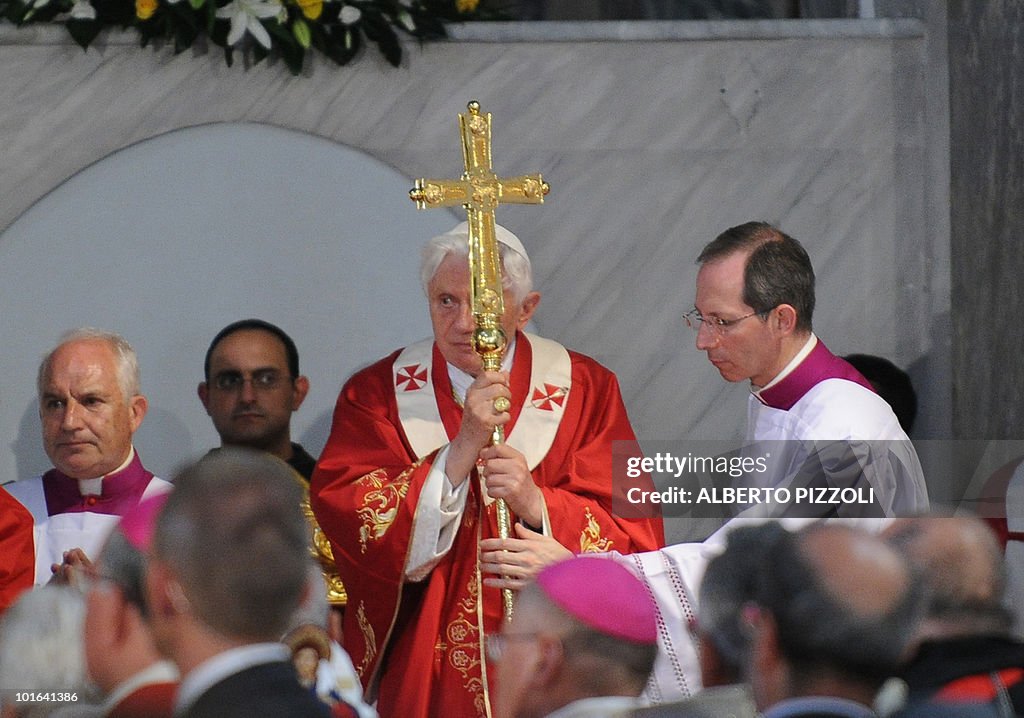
(379, 30)
(406, 21)
(301, 32)
(181, 24)
(83, 31)
(211, 18)
(184, 36)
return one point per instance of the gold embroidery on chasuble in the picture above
(591, 540)
(380, 503)
(462, 640)
(369, 639)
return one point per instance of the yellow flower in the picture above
(144, 9)
(311, 8)
(465, 6)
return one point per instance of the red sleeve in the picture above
(17, 550)
(364, 493)
(579, 489)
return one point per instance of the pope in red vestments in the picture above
(406, 484)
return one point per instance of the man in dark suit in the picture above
(229, 567)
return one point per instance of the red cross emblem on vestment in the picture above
(545, 398)
(412, 376)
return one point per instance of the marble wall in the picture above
(987, 163)
(654, 136)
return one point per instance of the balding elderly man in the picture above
(967, 653)
(90, 405)
(833, 613)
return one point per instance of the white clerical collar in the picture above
(461, 380)
(159, 672)
(213, 670)
(808, 347)
(94, 487)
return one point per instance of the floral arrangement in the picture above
(288, 29)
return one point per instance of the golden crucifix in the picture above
(480, 191)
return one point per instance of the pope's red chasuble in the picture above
(418, 646)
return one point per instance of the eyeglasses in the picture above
(263, 380)
(716, 325)
(497, 644)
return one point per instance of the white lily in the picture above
(245, 16)
(83, 10)
(350, 15)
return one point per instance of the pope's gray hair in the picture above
(128, 375)
(516, 275)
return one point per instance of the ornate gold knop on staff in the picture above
(320, 550)
(480, 191)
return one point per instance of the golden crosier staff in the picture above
(480, 191)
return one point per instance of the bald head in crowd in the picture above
(835, 610)
(959, 562)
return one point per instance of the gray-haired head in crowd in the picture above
(41, 649)
(958, 561)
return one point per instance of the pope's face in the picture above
(86, 419)
(251, 395)
(748, 349)
(452, 315)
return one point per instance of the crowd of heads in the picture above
(836, 611)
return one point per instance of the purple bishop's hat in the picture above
(138, 524)
(603, 594)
